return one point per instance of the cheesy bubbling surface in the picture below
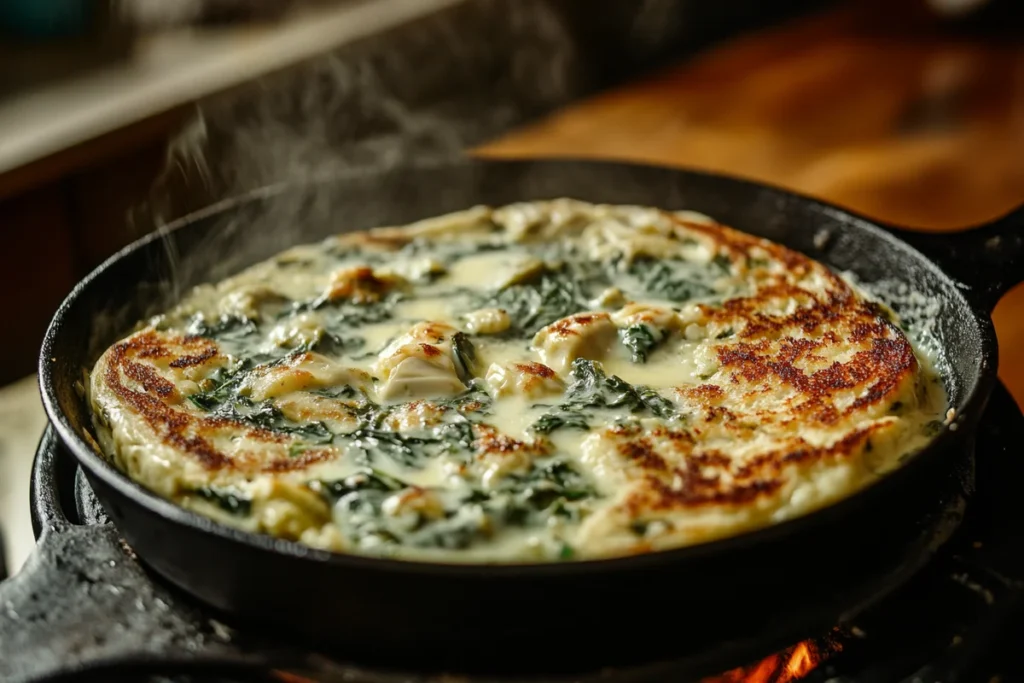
(543, 381)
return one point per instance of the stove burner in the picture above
(85, 608)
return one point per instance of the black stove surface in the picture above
(84, 608)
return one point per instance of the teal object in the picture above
(41, 19)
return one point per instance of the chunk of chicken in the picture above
(247, 301)
(287, 510)
(339, 414)
(611, 296)
(645, 232)
(658, 322)
(416, 378)
(516, 269)
(450, 225)
(499, 455)
(526, 379)
(429, 340)
(300, 373)
(542, 221)
(362, 284)
(415, 500)
(584, 335)
(495, 269)
(416, 270)
(414, 415)
(424, 363)
(488, 321)
(658, 317)
(304, 328)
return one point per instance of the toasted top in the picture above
(542, 381)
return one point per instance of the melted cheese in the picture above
(537, 382)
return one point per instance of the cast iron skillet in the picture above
(791, 580)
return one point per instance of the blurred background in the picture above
(119, 116)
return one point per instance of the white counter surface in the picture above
(21, 424)
(178, 67)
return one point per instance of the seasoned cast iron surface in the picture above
(84, 600)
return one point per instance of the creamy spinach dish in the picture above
(544, 381)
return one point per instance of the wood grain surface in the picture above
(903, 120)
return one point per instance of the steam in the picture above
(421, 94)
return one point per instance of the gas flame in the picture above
(787, 666)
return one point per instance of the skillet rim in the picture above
(967, 414)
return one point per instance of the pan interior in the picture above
(151, 275)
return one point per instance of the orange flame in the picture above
(286, 677)
(790, 665)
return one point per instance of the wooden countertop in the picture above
(902, 122)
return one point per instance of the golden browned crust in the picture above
(535, 369)
(491, 442)
(790, 350)
(746, 384)
(672, 473)
(829, 363)
(359, 285)
(568, 327)
(182, 429)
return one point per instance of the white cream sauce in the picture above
(523, 462)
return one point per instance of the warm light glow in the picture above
(286, 677)
(787, 666)
(801, 660)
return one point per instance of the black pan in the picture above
(768, 587)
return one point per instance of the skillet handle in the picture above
(83, 605)
(987, 260)
(82, 602)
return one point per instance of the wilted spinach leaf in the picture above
(465, 356)
(531, 305)
(641, 339)
(226, 328)
(672, 279)
(592, 389)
